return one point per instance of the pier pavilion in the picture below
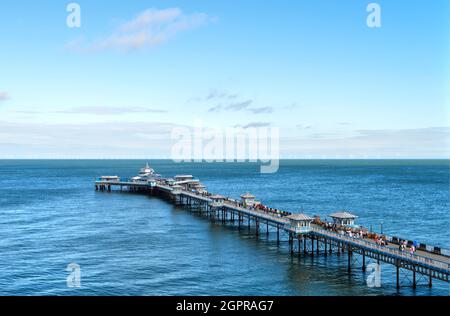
(300, 223)
(343, 218)
(248, 199)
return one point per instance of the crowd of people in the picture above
(352, 232)
(403, 247)
(272, 211)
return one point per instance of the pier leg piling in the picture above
(304, 245)
(291, 243)
(299, 245)
(397, 267)
(317, 244)
(349, 268)
(364, 261)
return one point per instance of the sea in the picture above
(52, 219)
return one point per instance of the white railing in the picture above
(384, 249)
(299, 230)
(286, 223)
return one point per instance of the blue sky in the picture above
(335, 87)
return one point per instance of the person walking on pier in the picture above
(412, 250)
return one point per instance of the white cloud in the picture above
(153, 139)
(148, 29)
(4, 96)
(432, 142)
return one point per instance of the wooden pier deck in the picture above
(312, 240)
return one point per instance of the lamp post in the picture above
(381, 227)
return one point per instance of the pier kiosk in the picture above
(109, 179)
(301, 223)
(176, 189)
(343, 218)
(184, 177)
(192, 184)
(248, 199)
(200, 188)
(217, 200)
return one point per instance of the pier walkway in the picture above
(313, 239)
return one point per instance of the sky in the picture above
(118, 85)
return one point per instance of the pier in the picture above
(307, 236)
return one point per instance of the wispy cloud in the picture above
(432, 142)
(254, 125)
(235, 106)
(4, 96)
(242, 106)
(214, 94)
(230, 102)
(238, 106)
(86, 140)
(104, 110)
(262, 110)
(148, 29)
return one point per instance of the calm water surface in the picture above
(128, 244)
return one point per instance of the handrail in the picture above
(281, 220)
(415, 258)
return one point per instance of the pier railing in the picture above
(280, 221)
(384, 249)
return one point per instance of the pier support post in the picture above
(397, 268)
(325, 243)
(257, 226)
(364, 260)
(291, 243)
(299, 245)
(317, 245)
(430, 280)
(304, 245)
(414, 285)
(278, 234)
(312, 246)
(349, 252)
(267, 228)
(239, 220)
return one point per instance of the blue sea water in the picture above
(128, 244)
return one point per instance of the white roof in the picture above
(343, 215)
(184, 176)
(300, 217)
(248, 196)
(217, 197)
